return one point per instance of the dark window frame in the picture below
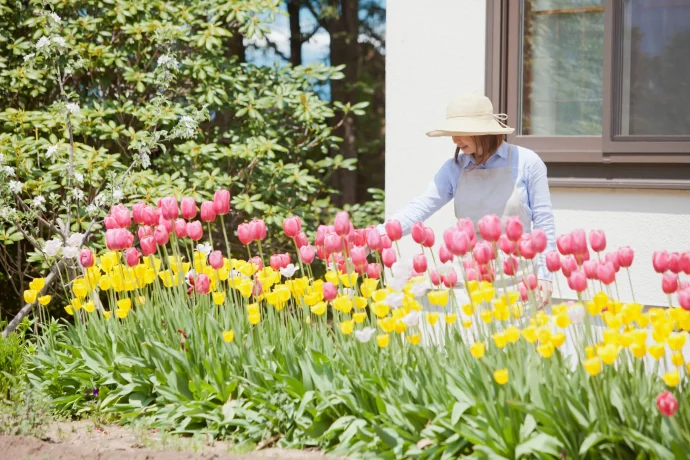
(609, 160)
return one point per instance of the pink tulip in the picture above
(215, 260)
(584, 256)
(450, 279)
(137, 213)
(301, 240)
(148, 245)
(565, 244)
(418, 233)
(483, 252)
(333, 243)
(507, 245)
(510, 265)
(168, 207)
(667, 403)
(374, 271)
(386, 242)
(194, 230)
(579, 241)
(110, 222)
(321, 232)
(514, 228)
(553, 261)
(538, 240)
(445, 255)
(221, 202)
(117, 239)
(490, 228)
(258, 228)
(472, 274)
(467, 226)
(435, 278)
(394, 230)
(342, 223)
(430, 238)
(419, 263)
(597, 239)
(121, 215)
(161, 235)
(144, 231)
(459, 243)
(525, 248)
(612, 257)
(374, 239)
(208, 213)
(132, 257)
(389, 258)
(524, 295)
(568, 265)
(188, 206)
(149, 216)
(358, 237)
(577, 281)
(180, 227)
(307, 254)
(606, 273)
(256, 260)
(358, 256)
(660, 260)
(275, 262)
(530, 281)
(292, 226)
(590, 268)
(284, 260)
(244, 233)
(321, 252)
(167, 224)
(625, 256)
(684, 298)
(330, 292)
(202, 284)
(674, 262)
(669, 283)
(684, 262)
(86, 258)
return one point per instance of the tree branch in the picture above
(323, 23)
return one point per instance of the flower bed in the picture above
(175, 331)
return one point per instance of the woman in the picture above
(490, 177)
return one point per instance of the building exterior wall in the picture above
(436, 49)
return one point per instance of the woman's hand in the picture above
(545, 288)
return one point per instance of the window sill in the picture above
(649, 184)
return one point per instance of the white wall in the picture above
(436, 49)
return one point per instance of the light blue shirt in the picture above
(529, 174)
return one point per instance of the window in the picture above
(600, 89)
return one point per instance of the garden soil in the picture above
(84, 440)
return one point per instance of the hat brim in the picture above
(470, 126)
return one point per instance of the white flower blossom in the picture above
(365, 334)
(43, 42)
(9, 170)
(100, 199)
(52, 150)
(204, 248)
(145, 160)
(187, 126)
(576, 313)
(394, 299)
(38, 201)
(419, 289)
(411, 319)
(52, 247)
(55, 18)
(401, 269)
(29, 57)
(117, 195)
(289, 271)
(70, 252)
(91, 209)
(15, 186)
(78, 194)
(75, 240)
(60, 41)
(167, 61)
(79, 177)
(397, 284)
(73, 108)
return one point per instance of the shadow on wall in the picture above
(621, 200)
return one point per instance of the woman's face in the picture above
(466, 144)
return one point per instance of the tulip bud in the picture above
(188, 207)
(660, 260)
(202, 284)
(568, 265)
(483, 252)
(144, 231)
(321, 232)
(487, 273)
(684, 262)
(257, 261)
(538, 240)
(148, 245)
(684, 298)
(510, 265)
(321, 253)
(429, 238)
(167, 224)
(450, 279)
(284, 260)
(530, 281)
(507, 245)
(459, 243)
(275, 262)
(389, 258)
(301, 240)
(374, 271)
(579, 241)
(435, 278)
(523, 292)
(525, 248)
(149, 216)
(674, 262)
(374, 239)
(667, 403)
(358, 256)
(215, 260)
(393, 230)
(613, 258)
(86, 258)
(625, 256)
(342, 223)
(358, 237)
(669, 283)
(577, 281)
(292, 226)
(445, 255)
(194, 230)
(490, 228)
(514, 228)
(590, 268)
(160, 234)
(307, 254)
(208, 214)
(467, 226)
(137, 213)
(109, 222)
(258, 229)
(419, 263)
(132, 257)
(180, 228)
(553, 261)
(597, 239)
(121, 215)
(606, 273)
(472, 274)
(418, 233)
(117, 239)
(244, 234)
(386, 242)
(565, 244)
(330, 292)
(257, 288)
(168, 207)
(221, 202)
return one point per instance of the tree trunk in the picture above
(234, 46)
(293, 7)
(344, 49)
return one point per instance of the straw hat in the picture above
(471, 114)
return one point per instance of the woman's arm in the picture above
(439, 192)
(542, 213)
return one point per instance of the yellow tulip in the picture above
(107, 314)
(592, 366)
(501, 376)
(312, 298)
(380, 295)
(472, 286)
(331, 277)
(478, 349)
(432, 318)
(677, 359)
(245, 287)
(639, 336)
(382, 340)
(467, 324)
(37, 284)
(610, 336)
(218, 298)
(414, 339)
(69, 310)
(626, 339)
(400, 327)
(486, 316)
(601, 299)
(319, 309)
(76, 304)
(346, 327)
(89, 307)
(562, 320)
(450, 319)
(593, 309)
(381, 309)
(544, 335)
(229, 336)
(672, 378)
(657, 351)
(516, 311)
(639, 350)
(546, 349)
(342, 303)
(30, 296)
(122, 314)
(676, 341)
(439, 298)
(500, 339)
(360, 302)
(44, 300)
(79, 288)
(124, 304)
(348, 280)
(558, 339)
(642, 321)
(368, 286)
(254, 318)
(468, 309)
(501, 314)
(359, 317)
(529, 334)
(590, 352)
(387, 324)
(398, 313)
(104, 283)
(608, 353)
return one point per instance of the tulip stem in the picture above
(210, 237)
(632, 290)
(225, 235)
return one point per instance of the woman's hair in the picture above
(486, 146)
